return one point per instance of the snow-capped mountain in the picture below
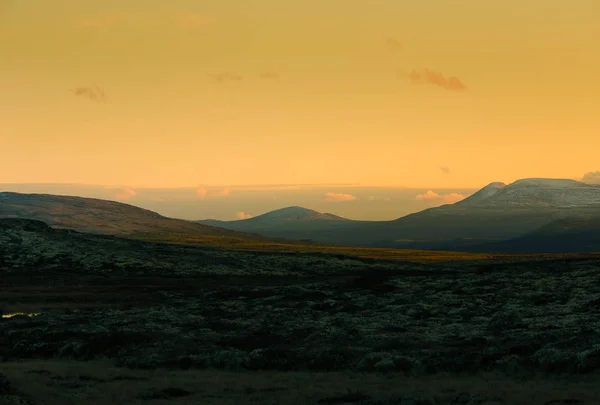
(497, 212)
(536, 192)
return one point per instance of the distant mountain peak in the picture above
(495, 184)
(483, 194)
(295, 213)
(536, 192)
(544, 182)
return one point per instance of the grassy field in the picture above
(368, 253)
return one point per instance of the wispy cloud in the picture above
(125, 193)
(277, 187)
(393, 44)
(224, 192)
(438, 79)
(269, 76)
(203, 191)
(242, 215)
(445, 169)
(338, 197)
(378, 198)
(91, 93)
(591, 177)
(226, 77)
(432, 196)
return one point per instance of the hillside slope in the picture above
(565, 235)
(497, 212)
(290, 222)
(101, 216)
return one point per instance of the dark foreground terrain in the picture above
(109, 320)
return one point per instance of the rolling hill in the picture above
(566, 235)
(498, 212)
(104, 217)
(527, 216)
(291, 222)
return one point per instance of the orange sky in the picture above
(381, 92)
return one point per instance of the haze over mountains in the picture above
(528, 215)
(498, 212)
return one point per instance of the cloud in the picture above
(438, 79)
(445, 169)
(226, 77)
(224, 192)
(432, 196)
(201, 191)
(242, 215)
(269, 76)
(125, 193)
(205, 191)
(91, 93)
(377, 198)
(191, 20)
(591, 177)
(393, 44)
(337, 197)
(273, 187)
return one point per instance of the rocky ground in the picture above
(243, 315)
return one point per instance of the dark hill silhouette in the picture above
(495, 213)
(102, 216)
(291, 222)
(565, 235)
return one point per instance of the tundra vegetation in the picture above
(101, 319)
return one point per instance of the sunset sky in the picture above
(423, 94)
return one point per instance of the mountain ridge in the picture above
(492, 216)
(291, 213)
(99, 216)
(496, 212)
(546, 192)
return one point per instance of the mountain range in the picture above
(500, 217)
(529, 215)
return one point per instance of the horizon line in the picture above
(237, 186)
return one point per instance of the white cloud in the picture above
(432, 196)
(125, 193)
(205, 191)
(337, 197)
